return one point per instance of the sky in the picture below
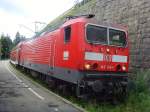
(20, 15)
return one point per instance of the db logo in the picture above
(107, 58)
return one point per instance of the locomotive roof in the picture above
(94, 21)
(83, 19)
(80, 19)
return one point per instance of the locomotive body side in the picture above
(52, 55)
(38, 53)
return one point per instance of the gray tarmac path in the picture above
(18, 94)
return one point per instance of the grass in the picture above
(138, 99)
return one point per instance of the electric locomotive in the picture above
(89, 55)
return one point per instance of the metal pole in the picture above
(21, 25)
(36, 26)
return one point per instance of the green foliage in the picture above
(142, 81)
(5, 46)
(18, 38)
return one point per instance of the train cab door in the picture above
(67, 39)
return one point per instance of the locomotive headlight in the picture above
(123, 68)
(107, 50)
(87, 66)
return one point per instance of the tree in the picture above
(6, 46)
(18, 38)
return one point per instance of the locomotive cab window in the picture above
(67, 33)
(117, 38)
(96, 34)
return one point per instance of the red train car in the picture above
(80, 52)
(14, 55)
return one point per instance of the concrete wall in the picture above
(135, 14)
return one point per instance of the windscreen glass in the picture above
(96, 34)
(117, 37)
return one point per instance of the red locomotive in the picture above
(81, 53)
